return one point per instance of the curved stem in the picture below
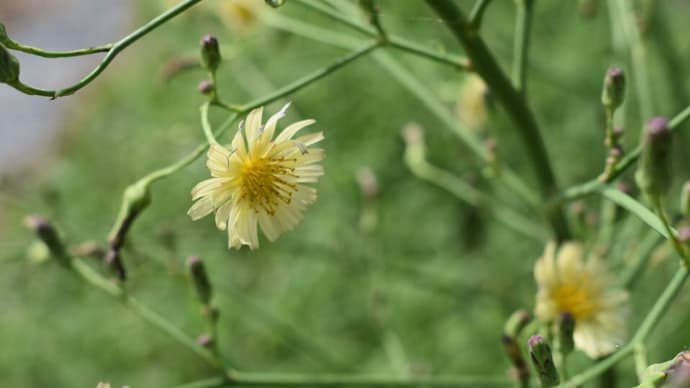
(594, 185)
(301, 83)
(514, 104)
(57, 54)
(206, 125)
(470, 195)
(392, 40)
(114, 50)
(628, 22)
(94, 278)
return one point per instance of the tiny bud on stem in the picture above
(206, 87)
(542, 360)
(199, 276)
(614, 88)
(566, 329)
(210, 53)
(275, 3)
(49, 236)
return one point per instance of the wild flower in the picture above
(568, 284)
(259, 180)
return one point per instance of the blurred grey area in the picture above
(30, 124)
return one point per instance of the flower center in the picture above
(264, 184)
(575, 299)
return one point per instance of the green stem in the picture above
(392, 40)
(659, 208)
(94, 278)
(414, 86)
(477, 13)
(523, 26)
(640, 360)
(466, 193)
(206, 125)
(56, 54)
(115, 49)
(661, 305)
(643, 253)
(514, 104)
(594, 185)
(30, 90)
(628, 22)
(435, 106)
(349, 380)
(301, 83)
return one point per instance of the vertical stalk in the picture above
(514, 104)
(523, 27)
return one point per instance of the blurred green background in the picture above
(426, 290)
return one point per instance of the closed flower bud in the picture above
(210, 53)
(206, 87)
(517, 321)
(136, 198)
(614, 88)
(9, 67)
(205, 341)
(49, 236)
(653, 175)
(276, 3)
(200, 279)
(566, 328)
(542, 360)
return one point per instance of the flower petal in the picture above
(253, 124)
(292, 129)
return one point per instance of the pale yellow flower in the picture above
(568, 283)
(471, 107)
(240, 16)
(259, 180)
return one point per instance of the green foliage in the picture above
(426, 290)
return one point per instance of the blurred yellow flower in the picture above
(567, 283)
(260, 180)
(471, 107)
(240, 16)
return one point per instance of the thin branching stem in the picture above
(514, 104)
(592, 186)
(391, 40)
(97, 280)
(477, 13)
(631, 33)
(523, 26)
(113, 52)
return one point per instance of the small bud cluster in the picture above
(542, 360)
(612, 96)
(210, 59)
(204, 292)
(512, 329)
